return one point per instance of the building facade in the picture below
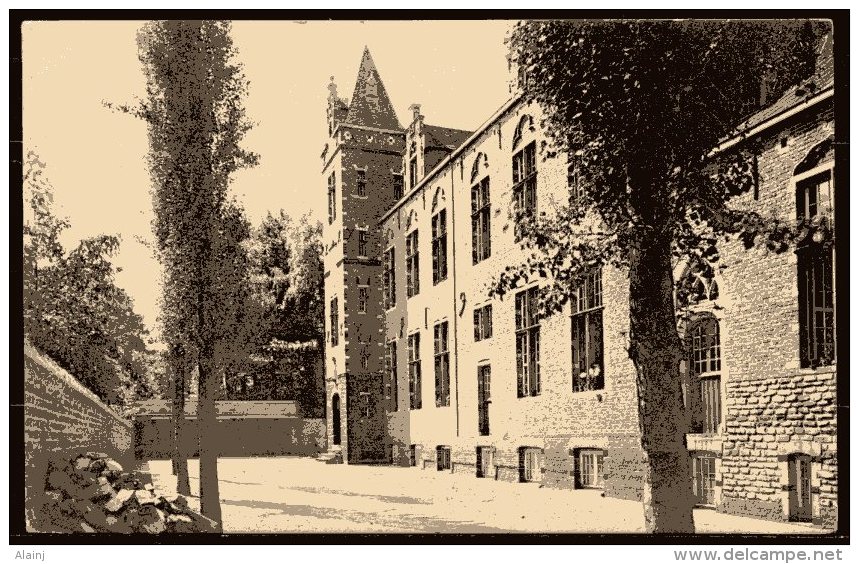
(424, 369)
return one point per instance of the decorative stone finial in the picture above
(332, 90)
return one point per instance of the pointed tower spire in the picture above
(371, 106)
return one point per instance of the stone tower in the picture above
(362, 174)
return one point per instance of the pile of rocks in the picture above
(92, 493)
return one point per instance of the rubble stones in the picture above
(91, 493)
(119, 501)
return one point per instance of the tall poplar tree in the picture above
(196, 121)
(640, 105)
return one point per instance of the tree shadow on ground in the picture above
(404, 523)
(386, 498)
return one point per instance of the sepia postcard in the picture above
(559, 278)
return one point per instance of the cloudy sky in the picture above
(457, 71)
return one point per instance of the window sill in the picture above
(704, 442)
(828, 369)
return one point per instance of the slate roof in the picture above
(824, 77)
(370, 105)
(446, 137)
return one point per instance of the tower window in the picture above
(335, 331)
(398, 186)
(366, 409)
(363, 239)
(332, 200)
(361, 184)
(363, 298)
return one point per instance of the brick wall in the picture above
(63, 418)
(773, 408)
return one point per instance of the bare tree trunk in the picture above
(210, 503)
(655, 349)
(180, 462)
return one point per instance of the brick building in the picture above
(423, 369)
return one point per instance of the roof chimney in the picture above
(416, 111)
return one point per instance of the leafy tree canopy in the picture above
(73, 309)
(640, 106)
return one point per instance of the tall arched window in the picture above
(706, 372)
(524, 173)
(816, 258)
(481, 246)
(697, 292)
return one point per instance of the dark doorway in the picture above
(799, 487)
(335, 418)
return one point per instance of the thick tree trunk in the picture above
(210, 502)
(655, 349)
(180, 462)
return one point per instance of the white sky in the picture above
(95, 157)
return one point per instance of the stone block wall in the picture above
(773, 408)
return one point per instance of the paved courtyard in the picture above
(302, 495)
